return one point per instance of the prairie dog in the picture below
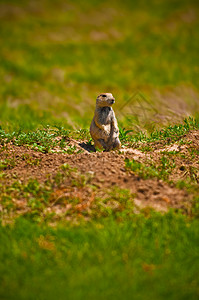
(104, 129)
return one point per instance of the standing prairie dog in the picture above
(104, 129)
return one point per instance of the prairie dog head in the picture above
(105, 99)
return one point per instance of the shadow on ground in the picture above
(87, 147)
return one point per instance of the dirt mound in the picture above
(107, 169)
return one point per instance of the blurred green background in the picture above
(57, 56)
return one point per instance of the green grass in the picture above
(152, 257)
(45, 138)
(107, 250)
(161, 171)
(169, 134)
(55, 58)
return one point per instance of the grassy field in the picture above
(144, 257)
(55, 58)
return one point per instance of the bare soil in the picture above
(107, 170)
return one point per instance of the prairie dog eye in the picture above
(103, 96)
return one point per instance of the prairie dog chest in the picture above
(105, 115)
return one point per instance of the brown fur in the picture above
(104, 129)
